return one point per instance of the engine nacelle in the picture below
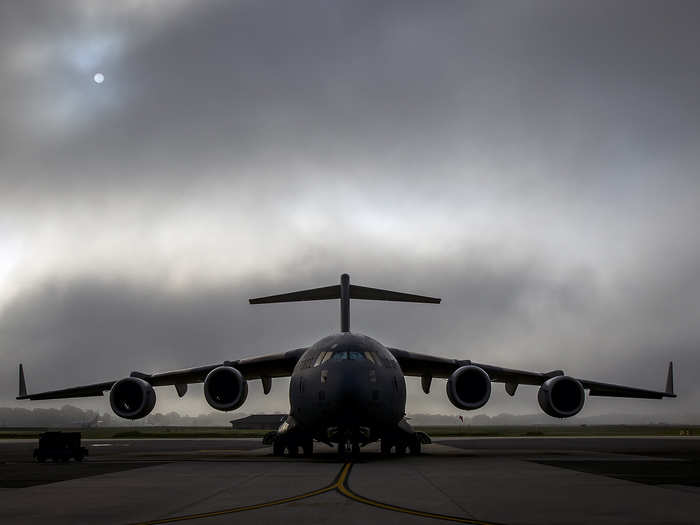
(469, 387)
(132, 398)
(561, 396)
(225, 388)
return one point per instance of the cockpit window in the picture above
(319, 358)
(322, 358)
(341, 355)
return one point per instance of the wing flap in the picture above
(517, 377)
(178, 377)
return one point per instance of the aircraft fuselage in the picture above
(345, 385)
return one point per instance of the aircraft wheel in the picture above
(400, 449)
(355, 450)
(308, 448)
(385, 446)
(278, 448)
(415, 447)
(293, 450)
(343, 448)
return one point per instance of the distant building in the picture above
(259, 422)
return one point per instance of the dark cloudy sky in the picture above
(533, 163)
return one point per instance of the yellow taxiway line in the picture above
(341, 485)
(343, 488)
(241, 509)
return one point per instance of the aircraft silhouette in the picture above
(348, 388)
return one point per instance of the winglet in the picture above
(669, 379)
(22, 382)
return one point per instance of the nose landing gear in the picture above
(347, 448)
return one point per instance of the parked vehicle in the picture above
(59, 446)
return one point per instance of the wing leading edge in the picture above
(428, 366)
(264, 367)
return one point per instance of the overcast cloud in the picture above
(533, 163)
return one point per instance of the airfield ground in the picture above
(435, 431)
(514, 480)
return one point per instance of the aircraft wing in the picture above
(429, 366)
(264, 367)
(95, 389)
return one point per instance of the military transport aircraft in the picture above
(348, 388)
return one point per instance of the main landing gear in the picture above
(409, 444)
(291, 447)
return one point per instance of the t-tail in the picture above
(345, 291)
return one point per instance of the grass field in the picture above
(137, 432)
(435, 431)
(561, 430)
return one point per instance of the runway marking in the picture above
(243, 508)
(345, 490)
(215, 450)
(340, 484)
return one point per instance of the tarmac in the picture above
(534, 480)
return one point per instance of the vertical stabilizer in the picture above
(345, 303)
(22, 382)
(669, 379)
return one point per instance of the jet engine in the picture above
(132, 398)
(561, 396)
(225, 388)
(469, 387)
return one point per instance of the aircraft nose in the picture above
(351, 390)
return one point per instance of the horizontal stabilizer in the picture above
(314, 294)
(356, 292)
(377, 294)
(345, 291)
